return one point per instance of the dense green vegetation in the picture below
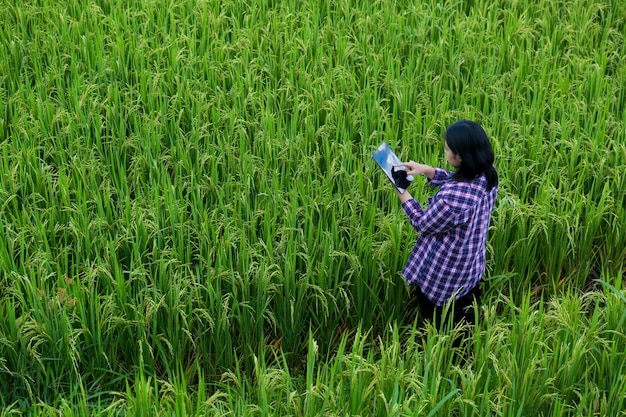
(191, 222)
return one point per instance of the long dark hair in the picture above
(469, 140)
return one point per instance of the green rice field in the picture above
(191, 222)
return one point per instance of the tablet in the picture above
(386, 159)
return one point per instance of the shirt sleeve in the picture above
(441, 176)
(440, 216)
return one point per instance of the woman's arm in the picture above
(405, 196)
(413, 168)
(438, 218)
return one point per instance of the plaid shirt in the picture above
(448, 259)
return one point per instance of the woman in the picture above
(448, 259)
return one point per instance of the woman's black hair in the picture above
(469, 140)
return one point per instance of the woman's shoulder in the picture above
(468, 192)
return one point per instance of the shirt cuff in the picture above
(441, 176)
(410, 206)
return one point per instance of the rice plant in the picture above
(192, 223)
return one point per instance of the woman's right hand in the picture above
(414, 168)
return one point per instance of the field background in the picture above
(191, 221)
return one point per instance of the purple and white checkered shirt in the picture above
(448, 259)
